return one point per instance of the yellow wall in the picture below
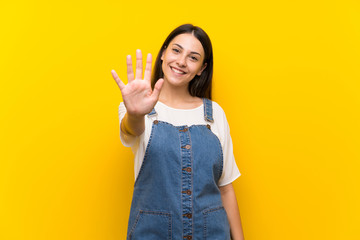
(286, 73)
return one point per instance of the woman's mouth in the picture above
(178, 71)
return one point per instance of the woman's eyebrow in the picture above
(183, 48)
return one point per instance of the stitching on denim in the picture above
(212, 209)
(221, 160)
(222, 154)
(181, 185)
(160, 213)
(187, 137)
(206, 102)
(170, 227)
(181, 178)
(134, 225)
(192, 185)
(205, 228)
(146, 153)
(205, 215)
(208, 105)
(157, 213)
(205, 108)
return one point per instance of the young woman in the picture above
(184, 162)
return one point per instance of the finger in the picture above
(157, 88)
(117, 79)
(139, 65)
(147, 75)
(130, 73)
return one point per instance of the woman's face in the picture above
(183, 60)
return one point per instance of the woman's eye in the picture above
(176, 50)
(194, 58)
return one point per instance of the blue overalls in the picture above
(176, 195)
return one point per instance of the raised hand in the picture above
(138, 96)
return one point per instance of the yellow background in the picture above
(286, 74)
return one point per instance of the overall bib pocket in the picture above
(151, 225)
(216, 224)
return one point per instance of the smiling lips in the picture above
(176, 70)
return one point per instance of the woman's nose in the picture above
(181, 61)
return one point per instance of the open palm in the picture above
(138, 96)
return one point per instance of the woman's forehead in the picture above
(188, 42)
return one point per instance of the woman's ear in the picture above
(202, 69)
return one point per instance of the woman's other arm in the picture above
(228, 198)
(132, 125)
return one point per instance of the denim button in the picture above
(208, 126)
(188, 237)
(188, 215)
(188, 169)
(183, 130)
(156, 122)
(188, 192)
(186, 146)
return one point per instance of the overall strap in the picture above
(152, 113)
(208, 110)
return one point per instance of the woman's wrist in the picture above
(132, 124)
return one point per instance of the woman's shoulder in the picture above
(217, 109)
(219, 114)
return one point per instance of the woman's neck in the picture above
(178, 97)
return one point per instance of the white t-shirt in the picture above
(181, 117)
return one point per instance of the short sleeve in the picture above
(126, 139)
(230, 169)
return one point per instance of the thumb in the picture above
(157, 88)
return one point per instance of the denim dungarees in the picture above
(176, 195)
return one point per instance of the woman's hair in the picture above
(199, 86)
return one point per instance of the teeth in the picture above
(177, 71)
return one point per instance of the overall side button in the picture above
(186, 146)
(188, 169)
(188, 192)
(183, 130)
